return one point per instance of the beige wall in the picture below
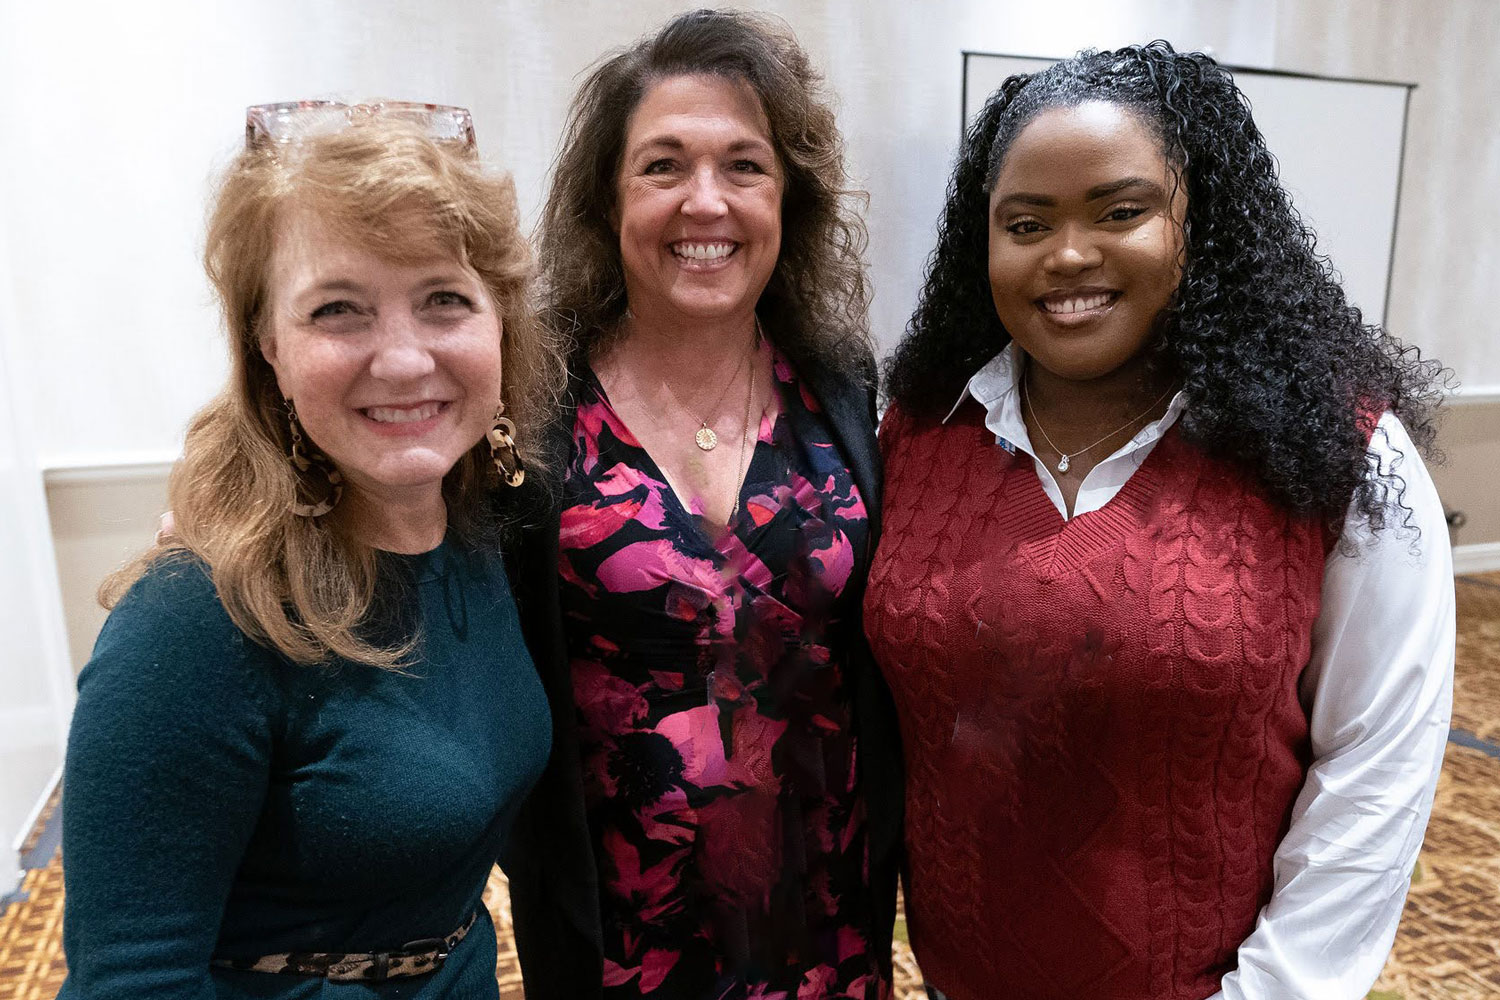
(101, 518)
(1469, 479)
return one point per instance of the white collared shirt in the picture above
(1378, 692)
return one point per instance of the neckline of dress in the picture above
(698, 522)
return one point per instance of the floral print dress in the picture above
(714, 719)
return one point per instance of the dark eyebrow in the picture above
(1026, 198)
(669, 141)
(675, 144)
(1148, 187)
(1114, 187)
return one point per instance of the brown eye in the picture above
(450, 299)
(339, 308)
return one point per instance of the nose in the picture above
(401, 351)
(704, 197)
(1073, 251)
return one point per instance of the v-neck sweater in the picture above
(1128, 740)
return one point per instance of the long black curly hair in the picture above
(1284, 375)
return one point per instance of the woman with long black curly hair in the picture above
(1164, 593)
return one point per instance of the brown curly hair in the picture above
(815, 305)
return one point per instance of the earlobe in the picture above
(613, 215)
(267, 345)
(268, 351)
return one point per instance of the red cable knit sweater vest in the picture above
(1100, 717)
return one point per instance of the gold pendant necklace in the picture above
(705, 437)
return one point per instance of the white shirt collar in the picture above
(996, 388)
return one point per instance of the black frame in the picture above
(1390, 270)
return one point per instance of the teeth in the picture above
(1079, 303)
(408, 415)
(703, 251)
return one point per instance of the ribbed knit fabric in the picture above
(1100, 716)
(221, 801)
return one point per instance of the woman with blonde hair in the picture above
(306, 728)
(721, 816)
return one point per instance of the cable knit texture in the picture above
(1100, 716)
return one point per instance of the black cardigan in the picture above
(553, 876)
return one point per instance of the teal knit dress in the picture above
(222, 802)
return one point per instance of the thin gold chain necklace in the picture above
(740, 470)
(1067, 457)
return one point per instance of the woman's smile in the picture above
(699, 209)
(1077, 308)
(701, 255)
(393, 368)
(407, 420)
(1085, 247)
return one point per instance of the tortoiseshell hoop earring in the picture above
(502, 438)
(306, 461)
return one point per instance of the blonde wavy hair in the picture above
(306, 587)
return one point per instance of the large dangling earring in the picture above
(502, 438)
(306, 460)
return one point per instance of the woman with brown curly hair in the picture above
(720, 817)
(310, 720)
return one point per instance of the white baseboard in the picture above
(105, 473)
(36, 811)
(1482, 558)
(13, 871)
(1477, 395)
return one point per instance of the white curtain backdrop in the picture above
(117, 115)
(36, 679)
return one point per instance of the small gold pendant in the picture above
(706, 438)
(1063, 465)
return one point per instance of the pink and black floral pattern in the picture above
(714, 720)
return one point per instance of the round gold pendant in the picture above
(706, 438)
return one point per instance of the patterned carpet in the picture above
(1448, 947)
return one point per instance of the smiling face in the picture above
(1085, 239)
(699, 201)
(394, 369)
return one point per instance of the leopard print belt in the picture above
(415, 958)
